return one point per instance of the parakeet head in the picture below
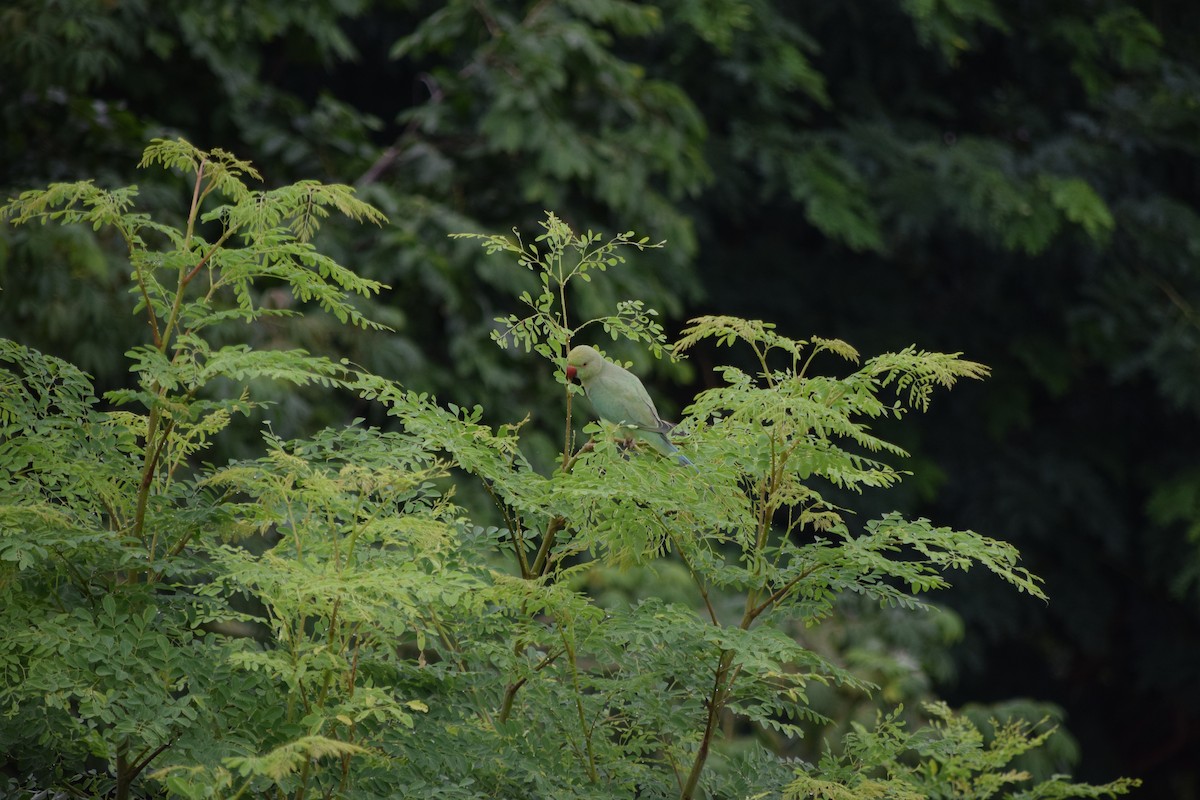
(583, 362)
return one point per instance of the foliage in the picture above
(1014, 180)
(949, 758)
(321, 619)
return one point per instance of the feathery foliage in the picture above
(1014, 180)
(322, 619)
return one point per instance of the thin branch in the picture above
(83, 582)
(143, 499)
(154, 329)
(453, 647)
(776, 596)
(513, 524)
(212, 250)
(539, 564)
(588, 447)
(145, 762)
(510, 693)
(154, 448)
(191, 223)
(716, 701)
(584, 730)
(511, 690)
(712, 614)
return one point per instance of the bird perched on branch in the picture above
(619, 397)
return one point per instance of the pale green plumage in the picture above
(619, 397)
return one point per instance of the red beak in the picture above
(570, 373)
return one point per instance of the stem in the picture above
(539, 563)
(519, 546)
(513, 523)
(568, 433)
(143, 500)
(154, 445)
(128, 770)
(777, 595)
(567, 437)
(82, 581)
(352, 678)
(762, 360)
(123, 776)
(141, 282)
(154, 448)
(723, 681)
(716, 701)
(588, 447)
(712, 614)
(453, 647)
(327, 679)
(242, 789)
(584, 730)
(352, 539)
(807, 363)
(510, 694)
(216, 246)
(191, 223)
(185, 279)
(144, 762)
(303, 788)
(725, 675)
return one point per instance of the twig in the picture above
(539, 563)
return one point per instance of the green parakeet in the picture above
(620, 398)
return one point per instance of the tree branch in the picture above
(716, 701)
(539, 563)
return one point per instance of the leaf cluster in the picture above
(322, 618)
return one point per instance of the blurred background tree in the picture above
(1016, 180)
